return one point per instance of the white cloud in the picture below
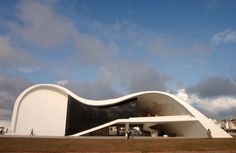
(25, 70)
(218, 107)
(183, 95)
(117, 78)
(11, 87)
(92, 50)
(224, 37)
(62, 82)
(7, 52)
(99, 88)
(137, 75)
(40, 25)
(11, 56)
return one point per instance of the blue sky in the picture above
(105, 49)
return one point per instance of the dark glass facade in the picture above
(82, 117)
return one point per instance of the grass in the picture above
(29, 144)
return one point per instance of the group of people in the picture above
(129, 134)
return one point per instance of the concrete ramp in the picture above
(142, 120)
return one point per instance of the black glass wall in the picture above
(82, 117)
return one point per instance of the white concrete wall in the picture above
(44, 110)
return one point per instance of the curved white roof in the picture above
(206, 123)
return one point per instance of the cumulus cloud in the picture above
(224, 37)
(99, 88)
(214, 96)
(11, 87)
(92, 50)
(41, 26)
(119, 78)
(11, 56)
(213, 87)
(137, 75)
(221, 107)
(62, 82)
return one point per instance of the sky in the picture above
(109, 48)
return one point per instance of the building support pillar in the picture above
(126, 129)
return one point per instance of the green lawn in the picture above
(10, 144)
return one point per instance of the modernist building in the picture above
(52, 110)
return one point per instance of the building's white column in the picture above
(126, 129)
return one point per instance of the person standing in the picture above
(128, 134)
(32, 132)
(209, 136)
(1, 130)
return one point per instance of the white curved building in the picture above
(52, 110)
